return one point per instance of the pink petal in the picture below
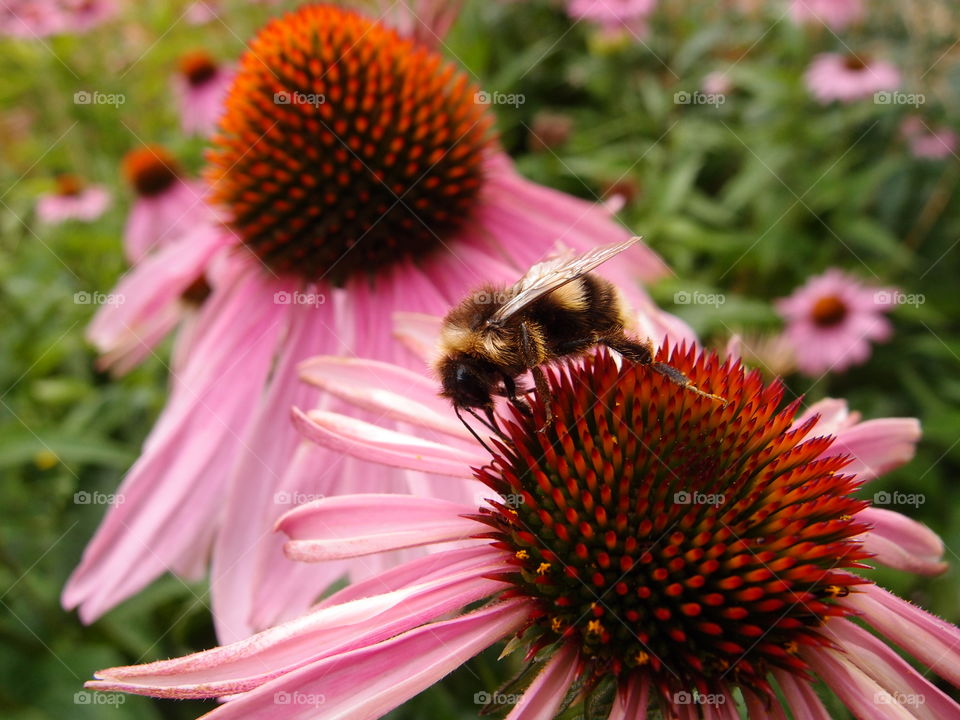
(858, 691)
(902, 543)
(904, 685)
(801, 698)
(367, 683)
(630, 702)
(172, 494)
(385, 389)
(419, 332)
(354, 525)
(542, 699)
(934, 642)
(878, 446)
(388, 447)
(334, 630)
(246, 543)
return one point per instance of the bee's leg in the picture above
(531, 358)
(643, 353)
(510, 387)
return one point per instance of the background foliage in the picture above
(744, 199)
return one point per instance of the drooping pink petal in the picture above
(801, 698)
(878, 446)
(385, 389)
(240, 551)
(630, 702)
(388, 447)
(355, 525)
(150, 289)
(902, 543)
(419, 333)
(335, 629)
(159, 220)
(934, 642)
(857, 690)
(903, 685)
(368, 682)
(542, 699)
(198, 432)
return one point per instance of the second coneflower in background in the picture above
(201, 85)
(357, 174)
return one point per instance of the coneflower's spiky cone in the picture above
(150, 169)
(197, 67)
(669, 535)
(345, 147)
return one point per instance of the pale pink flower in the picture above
(201, 86)
(716, 83)
(340, 207)
(202, 11)
(651, 544)
(40, 18)
(835, 14)
(832, 320)
(847, 78)
(927, 143)
(73, 200)
(614, 15)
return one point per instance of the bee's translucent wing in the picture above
(547, 276)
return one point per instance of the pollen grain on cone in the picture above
(345, 147)
(699, 544)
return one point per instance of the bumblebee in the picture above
(556, 310)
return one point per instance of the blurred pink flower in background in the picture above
(201, 86)
(846, 78)
(832, 320)
(167, 204)
(716, 83)
(338, 208)
(202, 11)
(925, 142)
(835, 14)
(72, 200)
(614, 15)
(168, 289)
(554, 558)
(39, 18)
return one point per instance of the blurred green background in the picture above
(745, 199)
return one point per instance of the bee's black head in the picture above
(468, 381)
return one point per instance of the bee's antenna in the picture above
(456, 409)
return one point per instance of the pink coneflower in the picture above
(652, 552)
(716, 83)
(201, 85)
(614, 15)
(835, 14)
(357, 176)
(167, 204)
(39, 18)
(849, 77)
(928, 143)
(832, 319)
(72, 200)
